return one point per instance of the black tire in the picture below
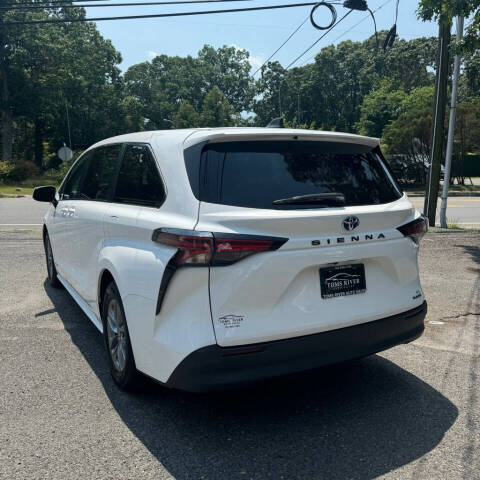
(117, 340)
(51, 270)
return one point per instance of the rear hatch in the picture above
(340, 259)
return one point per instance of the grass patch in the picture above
(26, 187)
(452, 224)
(15, 191)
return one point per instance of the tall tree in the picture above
(216, 111)
(186, 117)
(379, 108)
(162, 85)
(330, 92)
(269, 92)
(228, 68)
(440, 10)
(55, 67)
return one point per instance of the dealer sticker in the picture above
(231, 321)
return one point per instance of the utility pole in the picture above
(438, 131)
(451, 127)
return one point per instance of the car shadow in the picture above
(474, 252)
(353, 421)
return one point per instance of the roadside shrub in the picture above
(57, 174)
(21, 171)
(5, 169)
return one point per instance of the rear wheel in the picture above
(51, 270)
(117, 340)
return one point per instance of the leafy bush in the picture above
(56, 175)
(18, 171)
(5, 169)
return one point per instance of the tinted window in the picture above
(254, 174)
(73, 183)
(138, 181)
(98, 181)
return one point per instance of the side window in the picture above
(73, 183)
(98, 181)
(139, 182)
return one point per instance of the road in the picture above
(412, 412)
(21, 211)
(464, 211)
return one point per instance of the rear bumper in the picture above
(214, 367)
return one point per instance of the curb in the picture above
(450, 194)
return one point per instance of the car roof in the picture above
(192, 136)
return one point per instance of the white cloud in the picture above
(151, 54)
(256, 61)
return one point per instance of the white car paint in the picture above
(267, 296)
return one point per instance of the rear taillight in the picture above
(216, 249)
(415, 229)
(194, 248)
(231, 248)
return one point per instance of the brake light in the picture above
(216, 249)
(194, 248)
(415, 229)
(230, 249)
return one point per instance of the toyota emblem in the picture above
(350, 223)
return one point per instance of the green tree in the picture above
(331, 91)
(216, 111)
(410, 132)
(379, 108)
(269, 90)
(54, 67)
(163, 83)
(446, 9)
(186, 116)
(407, 140)
(228, 68)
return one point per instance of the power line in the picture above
(374, 26)
(47, 2)
(352, 27)
(310, 16)
(316, 41)
(34, 6)
(281, 46)
(163, 15)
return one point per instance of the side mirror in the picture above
(44, 194)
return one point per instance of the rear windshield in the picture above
(255, 174)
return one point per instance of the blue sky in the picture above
(258, 32)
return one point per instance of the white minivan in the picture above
(215, 257)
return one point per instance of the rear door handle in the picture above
(114, 218)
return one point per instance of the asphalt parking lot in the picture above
(412, 412)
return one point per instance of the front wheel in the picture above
(117, 340)
(51, 270)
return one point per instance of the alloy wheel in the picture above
(117, 335)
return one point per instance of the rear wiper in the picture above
(330, 198)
